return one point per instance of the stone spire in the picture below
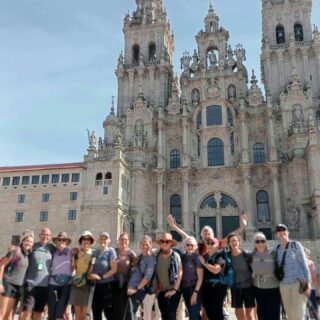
(211, 20)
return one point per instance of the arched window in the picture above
(99, 176)
(209, 202)
(214, 115)
(263, 211)
(298, 32)
(174, 159)
(232, 144)
(215, 152)
(108, 176)
(135, 53)
(280, 34)
(99, 179)
(152, 52)
(230, 117)
(199, 120)
(227, 201)
(175, 207)
(258, 153)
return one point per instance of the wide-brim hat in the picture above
(166, 237)
(86, 233)
(62, 235)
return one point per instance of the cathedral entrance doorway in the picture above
(220, 212)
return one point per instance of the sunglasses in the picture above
(281, 229)
(86, 239)
(61, 240)
(190, 245)
(260, 241)
(165, 241)
(210, 243)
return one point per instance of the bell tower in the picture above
(289, 46)
(145, 67)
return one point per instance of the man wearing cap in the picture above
(37, 279)
(169, 275)
(60, 277)
(104, 266)
(291, 255)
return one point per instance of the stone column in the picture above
(247, 195)
(160, 183)
(186, 213)
(271, 137)
(218, 197)
(185, 149)
(306, 65)
(151, 82)
(131, 85)
(281, 68)
(244, 133)
(276, 193)
(160, 162)
(163, 74)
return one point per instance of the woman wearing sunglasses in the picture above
(192, 278)
(216, 264)
(266, 285)
(60, 277)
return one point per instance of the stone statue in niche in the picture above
(148, 221)
(212, 58)
(297, 112)
(213, 88)
(195, 60)
(293, 217)
(195, 97)
(232, 92)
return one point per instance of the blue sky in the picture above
(57, 62)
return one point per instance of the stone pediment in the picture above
(140, 109)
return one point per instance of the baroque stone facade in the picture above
(205, 146)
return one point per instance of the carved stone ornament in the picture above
(148, 219)
(175, 141)
(213, 90)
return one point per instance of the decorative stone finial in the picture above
(112, 105)
(253, 79)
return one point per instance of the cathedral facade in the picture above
(205, 146)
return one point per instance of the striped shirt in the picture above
(295, 265)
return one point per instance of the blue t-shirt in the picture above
(141, 270)
(190, 265)
(103, 263)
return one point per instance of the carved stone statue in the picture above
(231, 92)
(147, 220)
(212, 58)
(195, 96)
(293, 217)
(92, 138)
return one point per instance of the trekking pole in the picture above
(89, 307)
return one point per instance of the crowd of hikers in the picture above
(54, 280)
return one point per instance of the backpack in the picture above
(226, 276)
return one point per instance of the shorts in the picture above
(243, 296)
(11, 290)
(35, 298)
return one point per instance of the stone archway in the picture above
(219, 211)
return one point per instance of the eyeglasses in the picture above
(260, 241)
(165, 241)
(190, 245)
(61, 240)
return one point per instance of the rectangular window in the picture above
(43, 215)
(72, 215)
(73, 196)
(19, 216)
(65, 177)
(45, 197)
(105, 190)
(6, 181)
(35, 179)
(25, 180)
(45, 179)
(21, 198)
(15, 181)
(55, 178)
(75, 177)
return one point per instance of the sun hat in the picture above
(62, 235)
(88, 234)
(166, 237)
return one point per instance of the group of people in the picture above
(98, 279)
